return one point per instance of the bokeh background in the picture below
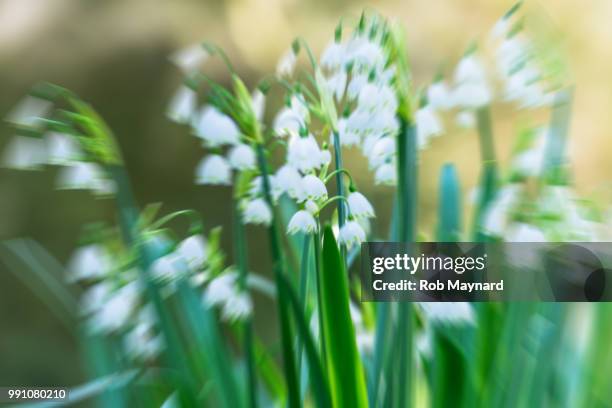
(114, 54)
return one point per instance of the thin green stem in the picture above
(318, 269)
(331, 200)
(247, 340)
(337, 171)
(283, 303)
(340, 187)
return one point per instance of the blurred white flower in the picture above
(214, 169)
(313, 188)
(302, 221)
(216, 128)
(383, 150)
(497, 215)
(291, 119)
(472, 95)
(190, 58)
(114, 314)
(428, 125)
(356, 84)
(351, 233)
(220, 289)
(466, 119)
(337, 84)
(94, 297)
(242, 157)
(521, 232)
(374, 97)
(333, 56)
(304, 154)
(257, 212)
(183, 105)
(85, 176)
(140, 342)
(386, 174)
(29, 111)
(470, 70)
(259, 104)
(24, 153)
(286, 64)
(193, 250)
(359, 205)
(288, 180)
(439, 96)
(89, 262)
(448, 312)
(238, 307)
(166, 268)
(311, 207)
(348, 135)
(63, 150)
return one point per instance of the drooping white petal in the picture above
(190, 58)
(89, 262)
(472, 95)
(333, 57)
(193, 250)
(386, 174)
(466, 119)
(351, 234)
(286, 64)
(216, 128)
(428, 125)
(29, 111)
(259, 104)
(288, 180)
(167, 268)
(382, 151)
(85, 176)
(242, 157)
(114, 314)
(302, 221)
(214, 169)
(24, 153)
(304, 154)
(183, 105)
(359, 205)
(238, 308)
(257, 212)
(62, 149)
(470, 70)
(220, 289)
(313, 188)
(439, 96)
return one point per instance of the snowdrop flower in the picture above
(348, 135)
(470, 70)
(115, 313)
(500, 29)
(259, 104)
(313, 188)
(63, 149)
(166, 268)
(213, 169)
(448, 312)
(530, 162)
(511, 53)
(216, 128)
(466, 119)
(472, 95)
(291, 119)
(183, 105)
(428, 125)
(439, 96)
(286, 64)
(29, 111)
(497, 215)
(351, 234)
(302, 221)
(375, 98)
(242, 157)
(238, 307)
(311, 207)
(89, 262)
(94, 297)
(382, 151)
(141, 342)
(337, 84)
(333, 56)
(24, 153)
(288, 180)
(190, 58)
(521, 232)
(220, 289)
(364, 54)
(82, 175)
(359, 206)
(257, 212)
(356, 84)
(193, 250)
(386, 175)
(304, 154)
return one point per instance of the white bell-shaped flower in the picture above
(62, 149)
(24, 153)
(288, 180)
(216, 128)
(257, 211)
(114, 314)
(428, 125)
(351, 233)
(439, 96)
(333, 56)
(386, 174)
(214, 169)
(193, 250)
(242, 157)
(167, 268)
(304, 154)
(190, 58)
(313, 188)
(85, 176)
(183, 105)
(286, 64)
(238, 308)
(359, 205)
(302, 221)
(89, 262)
